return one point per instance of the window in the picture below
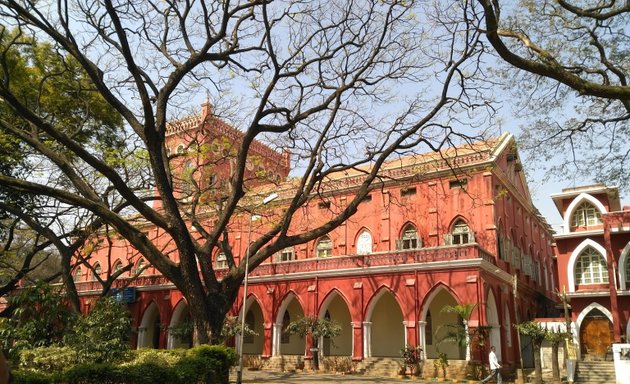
(364, 243)
(180, 149)
(141, 268)
(461, 233)
(586, 215)
(324, 247)
(286, 254)
(323, 204)
(409, 238)
(97, 271)
(250, 322)
(590, 268)
(78, 274)
(221, 261)
(460, 183)
(408, 191)
(117, 267)
(285, 338)
(627, 271)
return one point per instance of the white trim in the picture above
(578, 200)
(285, 304)
(621, 268)
(575, 254)
(147, 319)
(429, 299)
(376, 298)
(628, 331)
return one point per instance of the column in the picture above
(367, 339)
(422, 338)
(357, 341)
(277, 333)
(467, 340)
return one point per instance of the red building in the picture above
(593, 251)
(445, 228)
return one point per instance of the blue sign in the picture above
(125, 295)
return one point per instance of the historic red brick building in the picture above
(444, 229)
(593, 267)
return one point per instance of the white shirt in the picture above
(494, 362)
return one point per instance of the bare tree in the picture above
(570, 73)
(342, 86)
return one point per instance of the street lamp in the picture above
(239, 372)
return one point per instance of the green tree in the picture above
(39, 319)
(103, 334)
(538, 334)
(555, 338)
(302, 75)
(316, 328)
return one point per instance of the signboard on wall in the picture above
(125, 295)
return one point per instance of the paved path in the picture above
(266, 377)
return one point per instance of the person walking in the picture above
(495, 367)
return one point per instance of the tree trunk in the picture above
(555, 367)
(537, 364)
(315, 351)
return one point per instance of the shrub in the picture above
(48, 359)
(103, 334)
(30, 377)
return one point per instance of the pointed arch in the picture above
(574, 256)
(440, 323)
(364, 241)
(290, 309)
(409, 238)
(179, 319)
(623, 267)
(149, 330)
(374, 299)
(335, 307)
(582, 197)
(492, 318)
(385, 333)
(588, 309)
(431, 295)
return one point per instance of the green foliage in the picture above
(204, 364)
(232, 327)
(534, 330)
(47, 359)
(103, 334)
(441, 363)
(311, 325)
(40, 319)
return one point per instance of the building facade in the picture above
(593, 267)
(443, 229)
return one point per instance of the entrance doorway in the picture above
(596, 336)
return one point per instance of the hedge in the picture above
(203, 365)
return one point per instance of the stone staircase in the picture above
(379, 366)
(595, 372)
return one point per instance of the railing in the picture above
(391, 258)
(381, 259)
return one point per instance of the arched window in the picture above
(285, 338)
(364, 243)
(180, 149)
(428, 330)
(324, 247)
(287, 254)
(585, 215)
(117, 266)
(410, 239)
(78, 274)
(221, 261)
(460, 234)
(590, 268)
(627, 268)
(97, 271)
(141, 267)
(250, 322)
